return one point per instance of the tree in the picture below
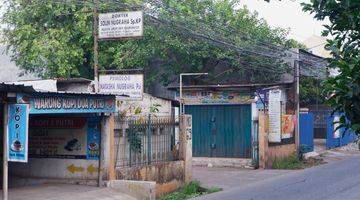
(344, 88)
(310, 91)
(54, 39)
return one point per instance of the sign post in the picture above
(5, 159)
(275, 116)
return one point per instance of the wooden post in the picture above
(112, 164)
(5, 153)
(263, 140)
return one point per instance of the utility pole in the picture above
(297, 102)
(96, 45)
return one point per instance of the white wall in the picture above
(128, 107)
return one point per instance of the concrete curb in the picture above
(142, 190)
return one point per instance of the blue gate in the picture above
(221, 130)
(307, 132)
(339, 139)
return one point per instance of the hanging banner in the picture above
(18, 123)
(275, 116)
(121, 25)
(127, 86)
(93, 141)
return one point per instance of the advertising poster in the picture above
(288, 123)
(18, 122)
(58, 137)
(216, 97)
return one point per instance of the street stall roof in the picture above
(232, 86)
(21, 88)
(11, 87)
(42, 102)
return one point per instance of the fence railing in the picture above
(145, 140)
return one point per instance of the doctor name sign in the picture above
(18, 123)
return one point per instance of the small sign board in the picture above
(18, 116)
(121, 25)
(126, 86)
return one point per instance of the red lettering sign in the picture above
(58, 122)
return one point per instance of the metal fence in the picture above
(145, 140)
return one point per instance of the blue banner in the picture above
(93, 140)
(18, 123)
(63, 103)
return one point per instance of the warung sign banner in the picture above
(18, 117)
(127, 86)
(121, 25)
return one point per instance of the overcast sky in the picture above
(287, 14)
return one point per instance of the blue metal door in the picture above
(221, 130)
(307, 132)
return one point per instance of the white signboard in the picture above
(336, 125)
(274, 116)
(121, 24)
(127, 86)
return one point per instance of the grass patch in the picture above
(189, 191)
(293, 162)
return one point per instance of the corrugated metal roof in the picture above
(11, 87)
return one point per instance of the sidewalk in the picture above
(68, 192)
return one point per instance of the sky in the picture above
(287, 14)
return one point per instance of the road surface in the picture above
(333, 181)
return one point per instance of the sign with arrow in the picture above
(73, 169)
(91, 169)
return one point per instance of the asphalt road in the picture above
(335, 181)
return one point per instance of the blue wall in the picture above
(345, 138)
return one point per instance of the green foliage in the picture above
(311, 91)
(135, 141)
(291, 162)
(344, 89)
(138, 110)
(190, 190)
(296, 162)
(55, 40)
(154, 108)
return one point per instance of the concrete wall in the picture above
(52, 168)
(168, 176)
